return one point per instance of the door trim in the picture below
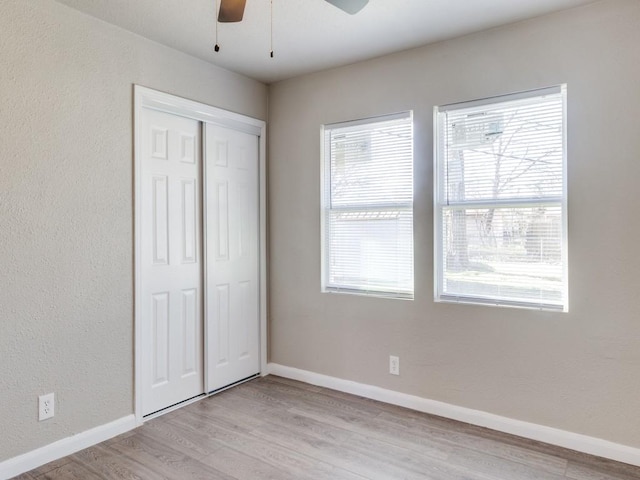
(152, 99)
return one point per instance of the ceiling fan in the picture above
(233, 10)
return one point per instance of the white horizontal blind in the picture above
(501, 201)
(368, 206)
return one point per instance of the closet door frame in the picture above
(146, 98)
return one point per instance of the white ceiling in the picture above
(308, 35)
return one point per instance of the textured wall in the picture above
(578, 371)
(66, 203)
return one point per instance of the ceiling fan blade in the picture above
(349, 6)
(231, 10)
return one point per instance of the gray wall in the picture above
(66, 203)
(578, 371)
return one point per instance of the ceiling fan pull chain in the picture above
(216, 47)
(271, 3)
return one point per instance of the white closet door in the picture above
(172, 323)
(232, 249)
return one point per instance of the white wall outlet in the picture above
(46, 405)
(394, 365)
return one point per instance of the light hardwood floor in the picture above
(273, 428)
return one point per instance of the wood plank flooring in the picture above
(274, 428)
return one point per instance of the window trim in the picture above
(438, 204)
(325, 207)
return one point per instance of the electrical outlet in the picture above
(46, 406)
(394, 365)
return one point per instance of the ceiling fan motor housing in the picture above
(233, 10)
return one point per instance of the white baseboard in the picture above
(553, 436)
(35, 458)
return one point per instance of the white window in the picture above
(368, 206)
(500, 201)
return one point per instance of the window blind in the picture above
(500, 204)
(368, 206)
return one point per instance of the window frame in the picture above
(439, 200)
(326, 208)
